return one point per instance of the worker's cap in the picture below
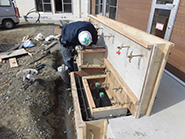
(85, 38)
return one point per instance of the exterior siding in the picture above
(79, 9)
(134, 13)
(176, 61)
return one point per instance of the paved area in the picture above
(167, 120)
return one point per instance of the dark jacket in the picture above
(70, 33)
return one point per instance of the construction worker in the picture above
(74, 34)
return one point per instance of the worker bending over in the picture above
(73, 34)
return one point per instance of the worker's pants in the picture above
(68, 56)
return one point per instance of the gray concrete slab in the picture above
(166, 122)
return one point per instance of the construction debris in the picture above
(39, 37)
(13, 62)
(32, 100)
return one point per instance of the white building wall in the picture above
(25, 6)
(79, 9)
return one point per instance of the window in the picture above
(111, 9)
(98, 6)
(43, 5)
(64, 6)
(5, 3)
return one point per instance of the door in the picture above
(162, 18)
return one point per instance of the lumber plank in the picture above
(79, 123)
(108, 111)
(13, 53)
(88, 95)
(50, 45)
(13, 62)
(157, 82)
(94, 76)
(149, 81)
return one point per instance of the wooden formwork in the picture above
(135, 71)
(91, 58)
(141, 74)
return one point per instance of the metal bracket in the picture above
(122, 46)
(118, 88)
(131, 56)
(109, 36)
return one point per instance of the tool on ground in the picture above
(40, 66)
(47, 52)
(26, 71)
(131, 56)
(28, 78)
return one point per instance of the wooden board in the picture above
(50, 45)
(79, 123)
(109, 111)
(13, 53)
(96, 129)
(58, 31)
(13, 62)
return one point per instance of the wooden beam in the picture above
(50, 45)
(79, 123)
(109, 111)
(13, 53)
(95, 76)
(158, 79)
(88, 95)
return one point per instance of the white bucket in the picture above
(63, 72)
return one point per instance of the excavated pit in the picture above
(42, 109)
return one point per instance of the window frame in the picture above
(66, 3)
(99, 4)
(53, 9)
(7, 5)
(110, 6)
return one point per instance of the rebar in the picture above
(83, 100)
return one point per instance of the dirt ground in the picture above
(38, 110)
